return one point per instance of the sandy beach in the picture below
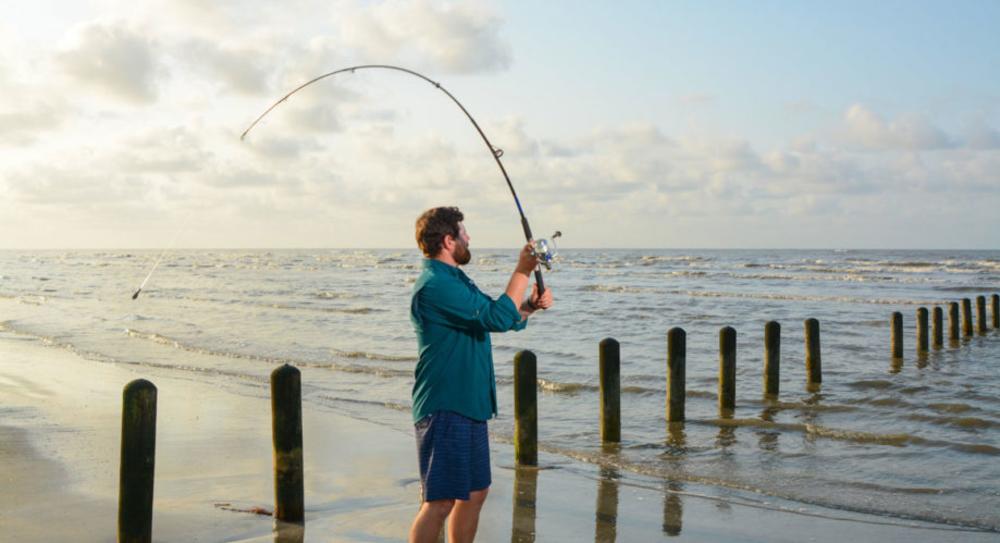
(59, 442)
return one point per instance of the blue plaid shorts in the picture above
(454, 455)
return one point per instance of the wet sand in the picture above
(59, 446)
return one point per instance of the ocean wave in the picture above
(363, 310)
(349, 368)
(800, 297)
(815, 430)
(615, 289)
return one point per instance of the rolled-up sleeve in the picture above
(462, 306)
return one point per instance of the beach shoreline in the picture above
(60, 435)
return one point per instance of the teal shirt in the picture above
(453, 320)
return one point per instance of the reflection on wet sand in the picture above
(288, 532)
(768, 440)
(525, 487)
(673, 509)
(606, 516)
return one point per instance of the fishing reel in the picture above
(545, 250)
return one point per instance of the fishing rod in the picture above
(544, 249)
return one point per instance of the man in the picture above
(455, 389)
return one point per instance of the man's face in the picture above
(461, 252)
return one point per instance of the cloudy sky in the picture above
(624, 124)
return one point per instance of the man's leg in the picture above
(427, 526)
(465, 517)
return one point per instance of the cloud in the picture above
(866, 129)
(980, 136)
(447, 37)
(24, 124)
(114, 58)
(245, 70)
(167, 150)
(697, 99)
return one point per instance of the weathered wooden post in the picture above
(937, 329)
(286, 431)
(981, 314)
(897, 334)
(525, 408)
(727, 371)
(611, 417)
(966, 317)
(814, 366)
(922, 343)
(953, 321)
(996, 311)
(772, 358)
(676, 360)
(138, 459)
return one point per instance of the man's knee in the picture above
(477, 497)
(439, 508)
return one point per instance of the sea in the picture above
(909, 439)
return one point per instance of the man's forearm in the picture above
(516, 286)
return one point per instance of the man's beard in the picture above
(461, 254)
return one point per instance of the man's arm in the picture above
(518, 283)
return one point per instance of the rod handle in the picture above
(539, 282)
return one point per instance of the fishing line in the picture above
(157, 263)
(543, 249)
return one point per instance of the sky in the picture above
(623, 124)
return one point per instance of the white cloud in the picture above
(27, 121)
(245, 70)
(114, 58)
(866, 129)
(445, 37)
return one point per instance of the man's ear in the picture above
(448, 242)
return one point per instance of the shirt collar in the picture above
(437, 266)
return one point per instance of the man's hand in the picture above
(541, 302)
(536, 302)
(527, 261)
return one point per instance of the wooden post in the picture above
(676, 360)
(922, 343)
(953, 321)
(996, 311)
(772, 358)
(610, 369)
(897, 334)
(727, 371)
(286, 431)
(138, 456)
(937, 328)
(814, 366)
(525, 408)
(981, 314)
(966, 317)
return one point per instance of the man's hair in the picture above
(434, 225)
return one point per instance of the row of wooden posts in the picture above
(135, 506)
(937, 331)
(526, 390)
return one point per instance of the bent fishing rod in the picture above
(544, 249)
